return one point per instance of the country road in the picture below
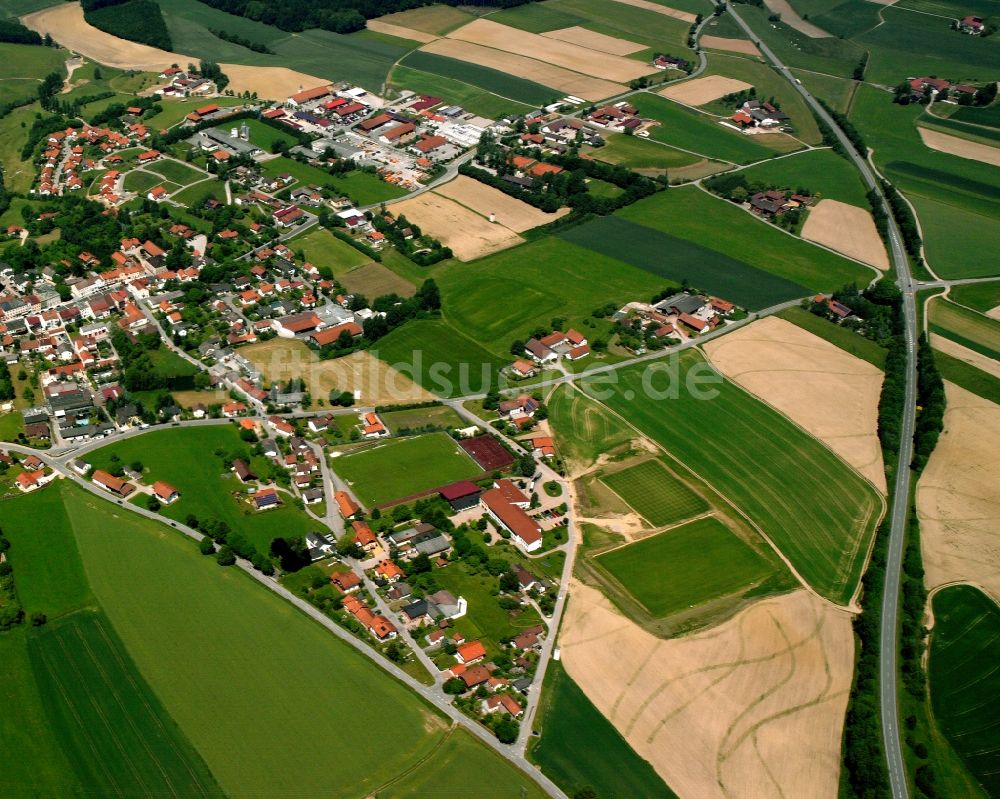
(888, 645)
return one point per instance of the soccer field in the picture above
(404, 466)
(687, 566)
(655, 494)
(815, 508)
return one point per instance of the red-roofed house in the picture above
(165, 492)
(470, 653)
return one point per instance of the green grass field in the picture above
(963, 679)
(177, 172)
(837, 92)
(968, 377)
(185, 458)
(655, 494)
(637, 153)
(454, 92)
(322, 248)
(847, 340)
(982, 297)
(965, 327)
(442, 360)
(580, 748)
(585, 428)
(405, 466)
(687, 566)
(264, 135)
(704, 268)
(697, 132)
(363, 188)
(819, 172)
(490, 80)
(950, 253)
(988, 116)
(412, 418)
(544, 279)
(691, 214)
(814, 508)
(112, 728)
(26, 61)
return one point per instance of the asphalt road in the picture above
(888, 644)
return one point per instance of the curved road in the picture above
(890, 599)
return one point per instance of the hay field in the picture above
(376, 280)
(282, 359)
(552, 51)
(467, 233)
(399, 31)
(704, 90)
(562, 80)
(750, 708)
(847, 229)
(76, 34)
(970, 356)
(485, 200)
(594, 41)
(963, 148)
(730, 45)
(817, 385)
(958, 496)
(667, 11)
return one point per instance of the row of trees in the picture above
(11, 612)
(235, 38)
(13, 31)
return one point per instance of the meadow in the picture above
(404, 466)
(321, 248)
(951, 194)
(141, 182)
(436, 19)
(808, 502)
(655, 493)
(364, 188)
(543, 279)
(637, 153)
(580, 748)
(455, 92)
(691, 214)
(697, 132)
(440, 415)
(112, 728)
(687, 566)
(177, 172)
(585, 428)
(442, 359)
(964, 130)
(964, 683)
(375, 280)
(847, 340)
(186, 459)
(678, 260)
(819, 172)
(490, 80)
(965, 327)
(968, 376)
(837, 92)
(988, 116)
(982, 297)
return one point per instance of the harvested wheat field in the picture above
(562, 80)
(971, 357)
(847, 229)
(667, 11)
(731, 45)
(282, 359)
(594, 41)
(552, 51)
(510, 212)
(376, 280)
(792, 19)
(751, 708)
(388, 28)
(963, 148)
(76, 34)
(994, 313)
(467, 233)
(958, 496)
(830, 393)
(704, 90)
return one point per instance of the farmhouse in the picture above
(971, 25)
(536, 350)
(522, 369)
(111, 483)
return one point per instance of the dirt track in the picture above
(958, 496)
(732, 45)
(846, 229)
(558, 78)
(510, 212)
(704, 90)
(467, 233)
(963, 148)
(751, 708)
(552, 51)
(594, 41)
(829, 392)
(75, 33)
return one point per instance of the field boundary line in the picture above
(406, 772)
(654, 533)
